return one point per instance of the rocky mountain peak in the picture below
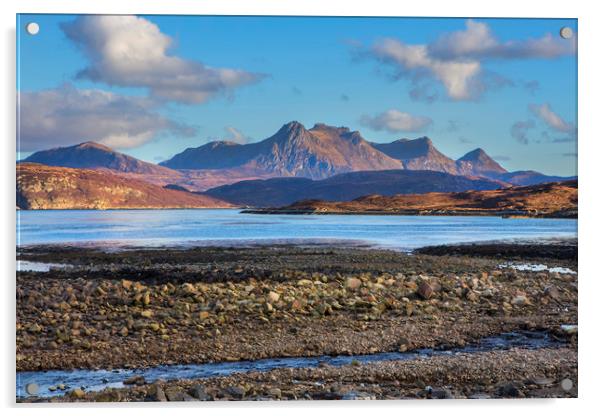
(291, 128)
(476, 154)
(478, 162)
(424, 140)
(325, 127)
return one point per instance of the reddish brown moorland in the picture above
(558, 199)
(49, 187)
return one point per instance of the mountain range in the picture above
(294, 152)
(323, 151)
(317, 153)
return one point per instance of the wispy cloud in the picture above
(132, 51)
(552, 119)
(520, 129)
(532, 86)
(236, 136)
(454, 126)
(561, 131)
(66, 116)
(455, 60)
(395, 121)
(502, 158)
(464, 140)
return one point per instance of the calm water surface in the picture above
(230, 227)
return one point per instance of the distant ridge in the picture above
(346, 186)
(530, 177)
(92, 155)
(550, 200)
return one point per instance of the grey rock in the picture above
(509, 390)
(543, 381)
(175, 395)
(357, 395)
(159, 394)
(552, 292)
(442, 394)
(236, 392)
(200, 393)
(275, 392)
(479, 396)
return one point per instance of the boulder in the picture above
(200, 393)
(77, 394)
(425, 291)
(236, 392)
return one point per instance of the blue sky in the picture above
(512, 93)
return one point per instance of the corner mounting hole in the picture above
(566, 32)
(32, 28)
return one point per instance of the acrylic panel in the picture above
(295, 208)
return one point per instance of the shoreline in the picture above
(416, 212)
(128, 245)
(146, 307)
(571, 214)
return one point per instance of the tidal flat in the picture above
(140, 308)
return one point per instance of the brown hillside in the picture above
(48, 187)
(557, 199)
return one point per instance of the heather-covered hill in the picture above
(50, 187)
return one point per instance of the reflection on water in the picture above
(538, 268)
(175, 227)
(34, 266)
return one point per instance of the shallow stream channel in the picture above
(58, 382)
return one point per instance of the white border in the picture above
(590, 112)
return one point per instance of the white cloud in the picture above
(416, 61)
(395, 121)
(66, 116)
(477, 41)
(131, 51)
(456, 59)
(235, 135)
